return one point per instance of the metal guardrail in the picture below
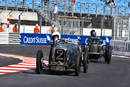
(120, 47)
(9, 38)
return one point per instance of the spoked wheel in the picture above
(85, 61)
(39, 62)
(77, 66)
(108, 54)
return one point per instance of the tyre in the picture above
(82, 47)
(39, 64)
(85, 61)
(77, 66)
(50, 57)
(108, 51)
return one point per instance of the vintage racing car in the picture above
(96, 49)
(64, 55)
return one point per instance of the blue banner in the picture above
(43, 39)
(35, 39)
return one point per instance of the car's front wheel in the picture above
(77, 66)
(85, 61)
(39, 64)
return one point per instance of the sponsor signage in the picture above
(43, 39)
(35, 39)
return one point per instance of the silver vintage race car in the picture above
(64, 55)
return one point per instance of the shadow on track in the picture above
(97, 61)
(58, 73)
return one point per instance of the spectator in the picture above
(55, 11)
(129, 8)
(73, 3)
(1, 29)
(111, 3)
(15, 29)
(129, 4)
(46, 3)
(36, 29)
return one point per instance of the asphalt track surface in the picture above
(8, 61)
(116, 74)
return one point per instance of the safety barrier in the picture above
(9, 38)
(121, 47)
(43, 39)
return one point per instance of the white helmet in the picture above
(36, 25)
(53, 25)
(56, 34)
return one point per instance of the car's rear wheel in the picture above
(77, 66)
(108, 51)
(85, 61)
(39, 64)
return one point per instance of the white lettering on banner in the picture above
(41, 40)
(34, 40)
(28, 40)
(48, 37)
(104, 42)
(107, 40)
(86, 41)
(73, 40)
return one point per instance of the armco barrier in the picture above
(9, 38)
(120, 47)
(43, 39)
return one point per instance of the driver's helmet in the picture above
(93, 33)
(56, 36)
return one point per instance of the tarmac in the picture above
(99, 74)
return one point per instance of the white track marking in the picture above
(7, 71)
(21, 66)
(13, 68)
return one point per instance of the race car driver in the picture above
(94, 39)
(56, 36)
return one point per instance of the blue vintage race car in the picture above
(64, 55)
